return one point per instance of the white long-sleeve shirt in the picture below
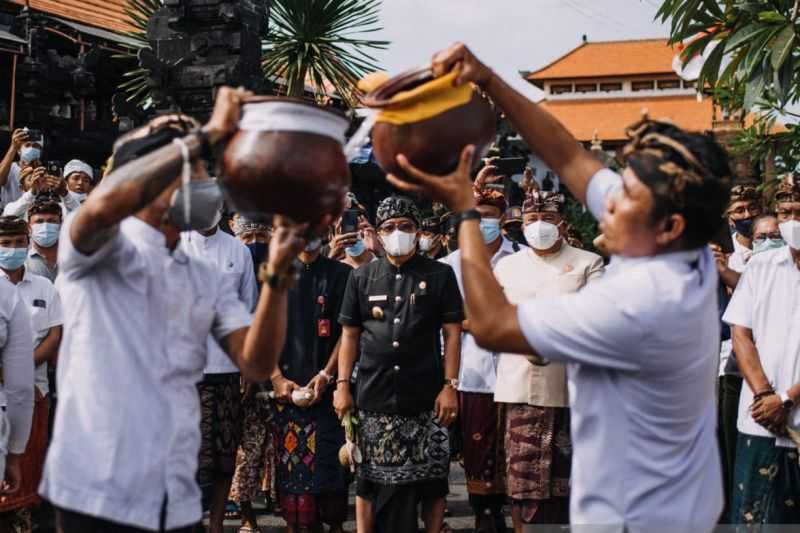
(16, 356)
(20, 206)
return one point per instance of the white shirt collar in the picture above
(26, 275)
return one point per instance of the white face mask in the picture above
(399, 243)
(426, 243)
(78, 196)
(790, 231)
(542, 235)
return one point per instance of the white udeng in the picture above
(281, 115)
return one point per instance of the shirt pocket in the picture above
(38, 320)
(190, 343)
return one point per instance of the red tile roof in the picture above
(609, 59)
(105, 14)
(610, 117)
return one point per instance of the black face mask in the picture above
(452, 244)
(744, 227)
(259, 251)
(517, 235)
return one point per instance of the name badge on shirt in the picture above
(40, 303)
(379, 298)
(323, 327)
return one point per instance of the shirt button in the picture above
(285, 367)
(398, 298)
(399, 276)
(396, 320)
(396, 344)
(396, 368)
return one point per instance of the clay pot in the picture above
(287, 159)
(433, 144)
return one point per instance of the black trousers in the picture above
(70, 522)
(729, 389)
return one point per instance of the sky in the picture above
(508, 35)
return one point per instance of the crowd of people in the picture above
(163, 356)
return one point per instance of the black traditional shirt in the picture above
(401, 312)
(312, 330)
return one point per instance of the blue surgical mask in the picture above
(30, 153)
(490, 228)
(12, 258)
(357, 249)
(765, 245)
(45, 234)
(258, 250)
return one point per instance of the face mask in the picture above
(542, 235)
(45, 234)
(399, 243)
(30, 153)
(744, 227)
(205, 202)
(764, 245)
(490, 228)
(790, 231)
(12, 258)
(452, 244)
(217, 218)
(314, 245)
(426, 243)
(79, 197)
(357, 249)
(258, 250)
(516, 235)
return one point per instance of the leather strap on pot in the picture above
(426, 101)
(290, 116)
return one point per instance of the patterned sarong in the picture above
(255, 460)
(483, 430)
(220, 429)
(539, 460)
(766, 487)
(398, 449)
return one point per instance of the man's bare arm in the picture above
(748, 359)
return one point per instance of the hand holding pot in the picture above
(224, 120)
(470, 67)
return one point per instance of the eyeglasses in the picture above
(552, 218)
(405, 227)
(762, 236)
(787, 214)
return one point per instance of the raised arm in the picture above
(17, 138)
(133, 186)
(545, 135)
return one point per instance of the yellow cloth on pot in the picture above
(426, 101)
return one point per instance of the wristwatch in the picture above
(787, 402)
(451, 382)
(469, 214)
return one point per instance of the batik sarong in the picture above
(539, 460)
(220, 429)
(766, 487)
(255, 459)
(483, 430)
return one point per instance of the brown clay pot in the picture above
(278, 169)
(434, 144)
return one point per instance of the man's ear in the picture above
(670, 230)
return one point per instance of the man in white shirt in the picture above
(44, 306)
(743, 208)
(220, 396)
(537, 441)
(16, 389)
(482, 420)
(763, 312)
(641, 343)
(124, 453)
(36, 183)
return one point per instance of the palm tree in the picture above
(318, 41)
(137, 86)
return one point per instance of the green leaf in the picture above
(782, 46)
(771, 16)
(754, 90)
